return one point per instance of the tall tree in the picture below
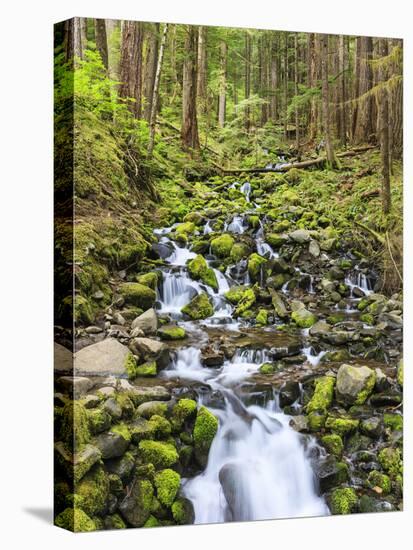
(274, 70)
(383, 123)
(285, 85)
(342, 98)
(112, 30)
(131, 65)
(297, 121)
(189, 130)
(152, 45)
(102, 41)
(363, 129)
(325, 98)
(202, 68)
(222, 84)
(155, 92)
(247, 56)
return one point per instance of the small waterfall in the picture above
(207, 228)
(236, 225)
(313, 359)
(258, 467)
(246, 190)
(357, 279)
(176, 291)
(179, 256)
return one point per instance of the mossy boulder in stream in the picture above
(323, 395)
(161, 455)
(256, 264)
(239, 251)
(183, 411)
(354, 384)
(93, 491)
(343, 501)
(76, 520)
(247, 300)
(167, 483)
(221, 246)
(136, 506)
(199, 270)
(235, 294)
(303, 318)
(75, 425)
(199, 307)
(139, 295)
(205, 429)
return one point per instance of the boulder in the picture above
(303, 318)
(112, 444)
(314, 249)
(77, 464)
(172, 332)
(74, 385)
(143, 394)
(331, 473)
(63, 359)
(138, 295)
(147, 322)
(300, 236)
(198, 269)
(319, 329)
(205, 429)
(221, 246)
(106, 357)
(199, 307)
(136, 506)
(354, 384)
(151, 350)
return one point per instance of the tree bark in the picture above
(131, 65)
(155, 93)
(274, 78)
(331, 158)
(285, 76)
(112, 25)
(383, 123)
(342, 91)
(297, 123)
(150, 67)
(312, 83)
(363, 129)
(101, 41)
(202, 68)
(247, 77)
(222, 84)
(189, 131)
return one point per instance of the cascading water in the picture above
(258, 466)
(358, 279)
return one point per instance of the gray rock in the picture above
(373, 427)
(278, 304)
(150, 408)
(354, 384)
(314, 249)
(151, 350)
(142, 394)
(111, 445)
(106, 357)
(74, 385)
(63, 359)
(331, 473)
(300, 236)
(137, 333)
(91, 401)
(289, 393)
(147, 322)
(122, 466)
(134, 507)
(320, 328)
(78, 464)
(93, 329)
(119, 319)
(112, 408)
(299, 423)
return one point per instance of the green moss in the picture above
(75, 520)
(99, 420)
(160, 426)
(255, 265)
(94, 491)
(393, 421)
(167, 483)
(145, 471)
(390, 461)
(367, 318)
(82, 310)
(130, 366)
(400, 373)
(343, 501)
(275, 240)
(75, 425)
(186, 228)
(172, 333)
(151, 522)
(335, 318)
(199, 307)
(334, 444)
(235, 294)
(316, 421)
(198, 269)
(323, 395)
(182, 412)
(267, 368)
(182, 511)
(138, 295)
(146, 370)
(221, 246)
(262, 317)
(114, 522)
(247, 300)
(205, 429)
(364, 302)
(377, 479)
(303, 318)
(341, 426)
(149, 279)
(123, 430)
(161, 455)
(239, 251)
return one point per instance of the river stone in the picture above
(112, 407)
(300, 236)
(320, 328)
(106, 357)
(339, 337)
(231, 478)
(299, 423)
(142, 394)
(278, 304)
(111, 445)
(63, 359)
(151, 350)
(78, 464)
(74, 385)
(314, 249)
(121, 466)
(331, 473)
(289, 393)
(147, 322)
(354, 384)
(136, 506)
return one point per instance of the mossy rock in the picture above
(316, 421)
(262, 318)
(256, 264)
(160, 427)
(167, 483)
(99, 420)
(151, 522)
(139, 295)
(82, 310)
(341, 426)
(136, 506)
(93, 491)
(275, 239)
(391, 461)
(221, 246)
(323, 395)
(150, 279)
(183, 511)
(239, 251)
(376, 480)
(146, 370)
(343, 501)
(75, 520)
(75, 425)
(198, 269)
(199, 307)
(185, 229)
(205, 429)
(400, 373)
(244, 305)
(114, 522)
(333, 444)
(161, 455)
(267, 368)
(182, 412)
(303, 318)
(172, 333)
(235, 294)
(393, 421)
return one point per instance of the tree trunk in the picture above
(202, 68)
(150, 67)
(331, 158)
(274, 78)
(222, 84)
(297, 122)
(247, 77)
(363, 115)
(189, 131)
(79, 40)
(312, 83)
(131, 65)
(112, 25)
(101, 41)
(342, 91)
(155, 93)
(383, 123)
(285, 75)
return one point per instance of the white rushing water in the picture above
(258, 466)
(357, 279)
